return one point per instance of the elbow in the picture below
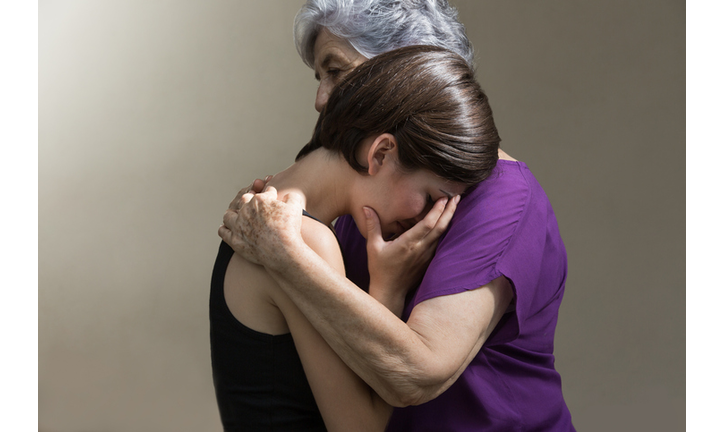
(412, 383)
(407, 400)
(400, 399)
(414, 391)
(411, 397)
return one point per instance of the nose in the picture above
(322, 96)
(421, 215)
(409, 223)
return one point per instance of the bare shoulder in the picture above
(249, 292)
(322, 240)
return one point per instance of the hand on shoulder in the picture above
(263, 229)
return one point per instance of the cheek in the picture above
(410, 206)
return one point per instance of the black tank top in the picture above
(259, 380)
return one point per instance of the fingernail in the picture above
(367, 212)
(456, 199)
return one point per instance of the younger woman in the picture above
(405, 133)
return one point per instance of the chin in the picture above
(362, 227)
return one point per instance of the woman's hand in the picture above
(256, 186)
(262, 228)
(398, 265)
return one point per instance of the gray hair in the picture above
(374, 27)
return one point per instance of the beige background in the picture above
(152, 114)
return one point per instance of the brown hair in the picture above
(428, 98)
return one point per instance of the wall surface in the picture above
(152, 114)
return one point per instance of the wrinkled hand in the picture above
(256, 186)
(399, 265)
(263, 228)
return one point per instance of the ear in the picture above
(382, 153)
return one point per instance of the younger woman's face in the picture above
(401, 199)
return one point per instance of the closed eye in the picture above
(332, 73)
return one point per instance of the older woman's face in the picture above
(333, 59)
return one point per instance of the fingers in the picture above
(236, 202)
(374, 230)
(250, 203)
(245, 199)
(224, 231)
(230, 218)
(434, 224)
(256, 186)
(435, 212)
(266, 180)
(444, 220)
(270, 193)
(295, 199)
(225, 234)
(259, 185)
(423, 228)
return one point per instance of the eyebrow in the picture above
(328, 58)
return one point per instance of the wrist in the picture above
(392, 299)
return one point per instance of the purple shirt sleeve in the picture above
(501, 228)
(354, 250)
(504, 226)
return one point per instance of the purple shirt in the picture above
(504, 226)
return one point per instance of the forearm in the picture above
(370, 339)
(392, 299)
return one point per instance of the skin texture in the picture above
(327, 186)
(405, 363)
(333, 59)
(344, 400)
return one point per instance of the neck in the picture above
(323, 179)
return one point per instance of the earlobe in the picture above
(381, 153)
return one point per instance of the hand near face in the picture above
(398, 265)
(262, 227)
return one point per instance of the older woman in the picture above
(473, 349)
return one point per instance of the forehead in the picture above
(434, 182)
(329, 48)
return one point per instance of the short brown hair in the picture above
(428, 98)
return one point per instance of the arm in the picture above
(399, 265)
(345, 401)
(405, 363)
